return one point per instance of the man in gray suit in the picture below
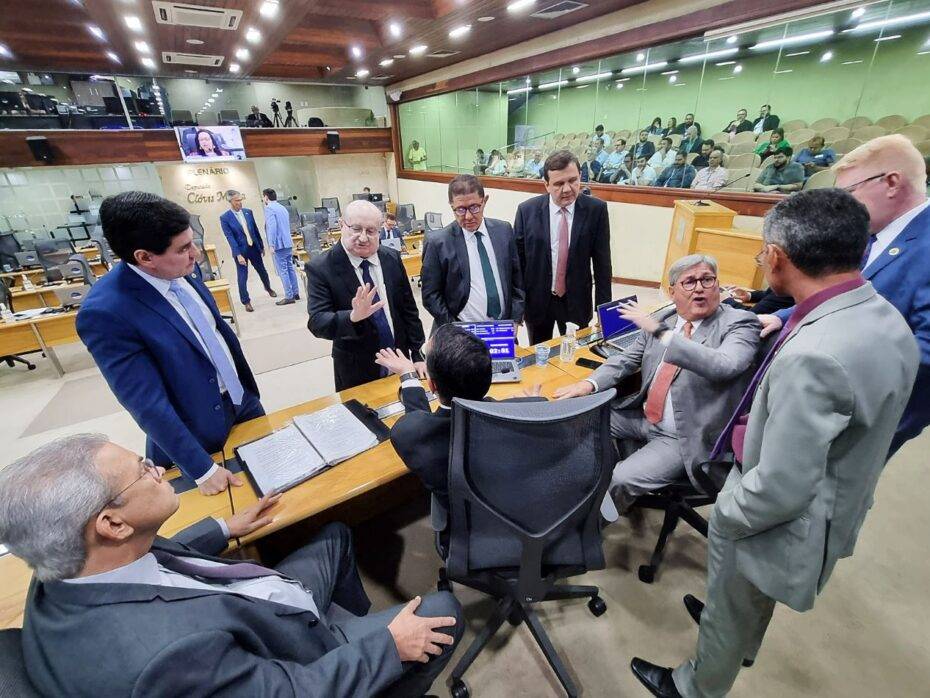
(694, 368)
(116, 610)
(471, 271)
(809, 438)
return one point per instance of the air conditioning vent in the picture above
(441, 54)
(183, 14)
(180, 58)
(559, 9)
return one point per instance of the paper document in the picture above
(336, 433)
(281, 460)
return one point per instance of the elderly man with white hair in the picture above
(889, 177)
(359, 296)
(694, 365)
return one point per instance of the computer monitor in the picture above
(499, 336)
(612, 323)
(375, 198)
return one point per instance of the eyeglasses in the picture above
(474, 210)
(852, 187)
(148, 468)
(358, 230)
(705, 281)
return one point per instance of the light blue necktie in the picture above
(221, 362)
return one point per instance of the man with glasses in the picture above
(116, 610)
(739, 124)
(694, 367)
(471, 271)
(359, 296)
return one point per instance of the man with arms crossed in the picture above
(809, 440)
(114, 609)
(157, 336)
(560, 236)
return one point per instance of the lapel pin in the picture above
(894, 250)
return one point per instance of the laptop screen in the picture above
(499, 337)
(612, 324)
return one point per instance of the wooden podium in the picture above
(708, 229)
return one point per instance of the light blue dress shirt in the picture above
(278, 227)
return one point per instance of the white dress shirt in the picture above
(643, 177)
(146, 570)
(377, 276)
(476, 308)
(240, 216)
(659, 159)
(887, 235)
(555, 220)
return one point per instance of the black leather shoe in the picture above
(694, 607)
(656, 678)
(285, 301)
(271, 292)
(297, 297)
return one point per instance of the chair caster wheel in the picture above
(459, 689)
(597, 606)
(647, 574)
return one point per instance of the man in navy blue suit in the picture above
(240, 230)
(888, 176)
(157, 336)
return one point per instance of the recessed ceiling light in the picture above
(826, 56)
(134, 23)
(520, 5)
(418, 50)
(460, 31)
(96, 31)
(361, 72)
(858, 12)
(575, 70)
(142, 47)
(192, 72)
(851, 62)
(148, 62)
(242, 54)
(723, 63)
(699, 57)
(732, 39)
(791, 40)
(195, 42)
(400, 56)
(394, 29)
(5, 52)
(356, 52)
(737, 69)
(386, 62)
(888, 38)
(269, 8)
(233, 68)
(113, 57)
(673, 79)
(640, 57)
(252, 35)
(487, 18)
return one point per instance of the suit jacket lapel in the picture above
(235, 220)
(344, 269)
(910, 232)
(840, 302)
(460, 258)
(547, 234)
(578, 222)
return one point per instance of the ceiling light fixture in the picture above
(697, 57)
(113, 57)
(5, 52)
(892, 22)
(142, 47)
(520, 5)
(597, 76)
(673, 79)
(732, 39)
(242, 54)
(386, 62)
(826, 56)
(519, 90)
(552, 85)
(781, 72)
(792, 40)
(133, 23)
(96, 31)
(418, 50)
(737, 69)
(487, 18)
(460, 31)
(394, 29)
(888, 38)
(148, 62)
(269, 8)
(851, 62)
(195, 42)
(922, 53)
(632, 70)
(858, 12)
(618, 86)
(361, 72)
(640, 57)
(575, 70)
(723, 63)
(670, 72)
(252, 35)
(233, 68)
(356, 51)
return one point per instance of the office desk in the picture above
(220, 290)
(39, 297)
(41, 333)
(37, 276)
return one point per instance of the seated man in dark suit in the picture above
(116, 610)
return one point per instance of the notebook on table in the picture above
(311, 444)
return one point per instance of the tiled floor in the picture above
(867, 636)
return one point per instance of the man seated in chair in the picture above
(116, 610)
(694, 369)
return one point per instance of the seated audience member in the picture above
(599, 133)
(712, 177)
(670, 126)
(644, 148)
(642, 175)
(664, 155)
(533, 167)
(691, 143)
(695, 367)
(763, 301)
(739, 124)
(117, 610)
(766, 120)
(776, 140)
(683, 127)
(625, 173)
(496, 165)
(257, 120)
(600, 153)
(703, 160)
(655, 128)
(516, 162)
(481, 162)
(591, 167)
(815, 157)
(680, 174)
(389, 230)
(780, 174)
(614, 160)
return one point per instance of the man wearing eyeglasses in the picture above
(359, 296)
(116, 610)
(694, 369)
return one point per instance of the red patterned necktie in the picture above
(562, 264)
(661, 384)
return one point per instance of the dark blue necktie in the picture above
(385, 336)
(868, 249)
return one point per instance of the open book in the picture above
(310, 444)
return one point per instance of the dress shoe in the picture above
(297, 297)
(695, 606)
(249, 308)
(285, 301)
(656, 678)
(272, 293)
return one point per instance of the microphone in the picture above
(733, 181)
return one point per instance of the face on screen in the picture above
(205, 142)
(698, 302)
(564, 185)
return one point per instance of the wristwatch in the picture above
(409, 375)
(659, 331)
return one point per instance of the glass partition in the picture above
(843, 75)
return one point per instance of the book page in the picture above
(336, 433)
(281, 460)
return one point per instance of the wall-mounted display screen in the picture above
(215, 143)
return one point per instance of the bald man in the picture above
(888, 175)
(359, 296)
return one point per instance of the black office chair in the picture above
(433, 221)
(52, 254)
(6, 297)
(311, 237)
(77, 269)
(9, 246)
(406, 217)
(107, 256)
(197, 229)
(14, 681)
(331, 203)
(526, 480)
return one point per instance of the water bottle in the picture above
(5, 314)
(569, 342)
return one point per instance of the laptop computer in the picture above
(500, 337)
(393, 243)
(618, 332)
(72, 297)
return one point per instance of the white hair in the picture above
(46, 499)
(682, 265)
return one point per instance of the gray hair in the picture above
(682, 265)
(46, 499)
(232, 194)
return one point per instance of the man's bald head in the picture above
(361, 221)
(893, 153)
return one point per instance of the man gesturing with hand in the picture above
(359, 296)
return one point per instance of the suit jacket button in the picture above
(311, 622)
(212, 381)
(216, 408)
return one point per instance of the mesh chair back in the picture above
(292, 215)
(9, 246)
(406, 214)
(311, 235)
(332, 203)
(433, 221)
(207, 272)
(197, 228)
(13, 678)
(77, 268)
(52, 253)
(526, 480)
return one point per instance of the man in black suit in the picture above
(739, 124)
(471, 271)
(359, 296)
(766, 121)
(689, 121)
(557, 270)
(644, 148)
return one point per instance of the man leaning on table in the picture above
(116, 610)
(157, 336)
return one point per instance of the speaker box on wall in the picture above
(41, 150)
(332, 141)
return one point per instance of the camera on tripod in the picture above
(274, 105)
